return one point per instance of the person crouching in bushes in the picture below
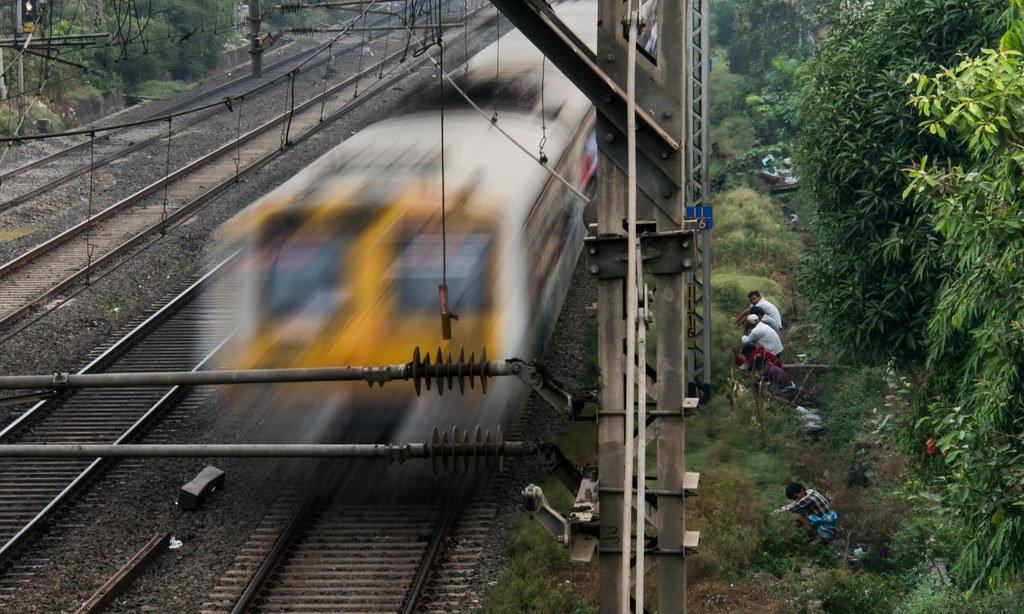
(767, 319)
(778, 380)
(812, 510)
(744, 357)
(763, 335)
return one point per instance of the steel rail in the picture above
(433, 551)
(103, 361)
(270, 562)
(153, 116)
(400, 452)
(188, 208)
(178, 214)
(267, 79)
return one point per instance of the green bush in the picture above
(875, 269)
(848, 405)
(158, 90)
(730, 290)
(927, 598)
(83, 93)
(784, 548)
(741, 476)
(525, 585)
(730, 91)
(848, 592)
(734, 134)
(921, 537)
(750, 235)
(8, 121)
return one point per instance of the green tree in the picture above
(774, 107)
(873, 272)
(977, 329)
(723, 16)
(763, 30)
(177, 39)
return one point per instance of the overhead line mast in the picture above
(672, 197)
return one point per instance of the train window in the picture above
(420, 269)
(300, 274)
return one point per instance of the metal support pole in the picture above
(3, 82)
(633, 277)
(373, 375)
(698, 193)
(668, 523)
(21, 89)
(256, 50)
(392, 452)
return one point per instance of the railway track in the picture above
(26, 182)
(352, 554)
(438, 589)
(365, 550)
(32, 490)
(37, 177)
(42, 273)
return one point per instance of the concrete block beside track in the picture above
(191, 495)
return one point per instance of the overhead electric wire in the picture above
(493, 122)
(184, 220)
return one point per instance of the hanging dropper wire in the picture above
(88, 216)
(543, 157)
(497, 69)
(442, 290)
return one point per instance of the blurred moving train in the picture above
(342, 263)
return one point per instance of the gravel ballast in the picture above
(95, 536)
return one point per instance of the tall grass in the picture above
(750, 235)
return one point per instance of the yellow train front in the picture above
(342, 264)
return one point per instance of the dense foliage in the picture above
(763, 30)
(977, 330)
(161, 40)
(873, 274)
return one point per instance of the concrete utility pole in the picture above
(256, 49)
(653, 160)
(3, 83)
(19, 30)
(661, 91)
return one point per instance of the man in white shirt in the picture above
(756, 300)
(763, 335)
(767, 319)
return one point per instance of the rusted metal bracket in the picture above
(579, 532)
(548, 387)
(664, 253)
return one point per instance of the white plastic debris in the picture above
(175, 543)
(812, 418)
